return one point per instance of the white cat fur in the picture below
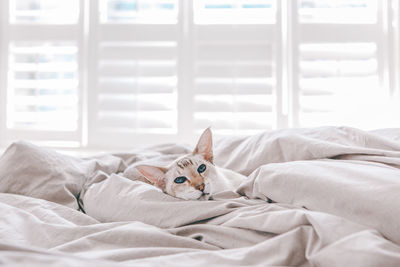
(213, 180)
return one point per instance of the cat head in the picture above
(188, 177)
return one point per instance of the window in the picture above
(339, 11)
(43, 86)
(234, 59)
(342, 57)
(118, 73)
(234, 12)
(138, 11)
(44, 11)
(333, 75)
(134, 75)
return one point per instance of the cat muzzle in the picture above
(200, 187)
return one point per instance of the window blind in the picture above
(41, 44)
(43, 86)
(234, 62)
(134, 75)
(332, 77)
(126, 73)
(341, 57)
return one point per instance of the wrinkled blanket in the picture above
(325, 196)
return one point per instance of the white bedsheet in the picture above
(334, 193)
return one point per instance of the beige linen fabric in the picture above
(30, 170)
(334, 193)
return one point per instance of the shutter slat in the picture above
(48, 84)
(137, 103)
(123, 68)
(233, 52)
(321, 11)
(138, 52)
(232, 103)
(326, 68)
(238, 86)
(44, 67)
(239, 69)
(232, 12)
(44, 11)
(231, 121)
(337, 51)
(131, 120)
(154, 11)
(137, 85)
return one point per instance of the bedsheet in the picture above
(324, 196)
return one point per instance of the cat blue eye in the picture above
(201, 168)
(180, 179)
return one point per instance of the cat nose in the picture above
(200, 187)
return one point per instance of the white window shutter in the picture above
(341, 64)
(234, 57)
(126, 73)
(394, 44)
(133, 89)
(43, 85)
(229, 82)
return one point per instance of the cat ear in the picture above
(155, 175)
(204, 146)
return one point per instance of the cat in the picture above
(193, 176)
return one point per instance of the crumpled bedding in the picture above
(324, 196)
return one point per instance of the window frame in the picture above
(38, 32)
(287, 38)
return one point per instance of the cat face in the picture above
(188, 177)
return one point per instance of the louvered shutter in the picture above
(41, 42)
(394, 44)
(133, 85)
(340, 75)
(234, 57)
(126, 73)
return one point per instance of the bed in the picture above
(327, 196)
